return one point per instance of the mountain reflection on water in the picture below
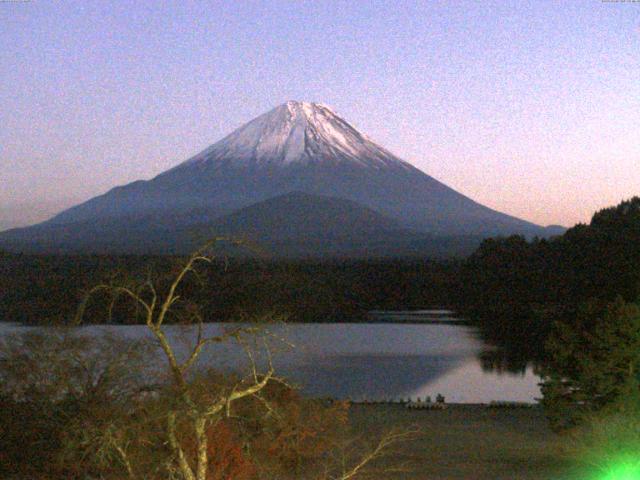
(374, 361)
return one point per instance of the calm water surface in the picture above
(376, 361)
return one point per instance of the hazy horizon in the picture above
(528, 108)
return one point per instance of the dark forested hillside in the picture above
(600, 260)
(42, 289)
(519, 289)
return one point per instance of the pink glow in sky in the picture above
(531, 108)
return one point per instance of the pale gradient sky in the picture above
(531, 108)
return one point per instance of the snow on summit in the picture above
(296, 132)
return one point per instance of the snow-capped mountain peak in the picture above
(296, 147)
(296, 132)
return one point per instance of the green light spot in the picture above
(624, 471)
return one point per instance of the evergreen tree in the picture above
(594, 363)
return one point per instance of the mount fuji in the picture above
(290, 164)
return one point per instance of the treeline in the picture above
(37, 289)
(596, 261)
(517, 290)
(512, 287)
(600, 260)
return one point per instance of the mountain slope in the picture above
(303, 225)
(299, 215)
(293, 225)
(296, 147)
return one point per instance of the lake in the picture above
(372, 361)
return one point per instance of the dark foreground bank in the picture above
(471, 442)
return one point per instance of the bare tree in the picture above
(193, 408)
(200, 412)
(352, 460)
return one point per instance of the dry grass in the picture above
(470, 442)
